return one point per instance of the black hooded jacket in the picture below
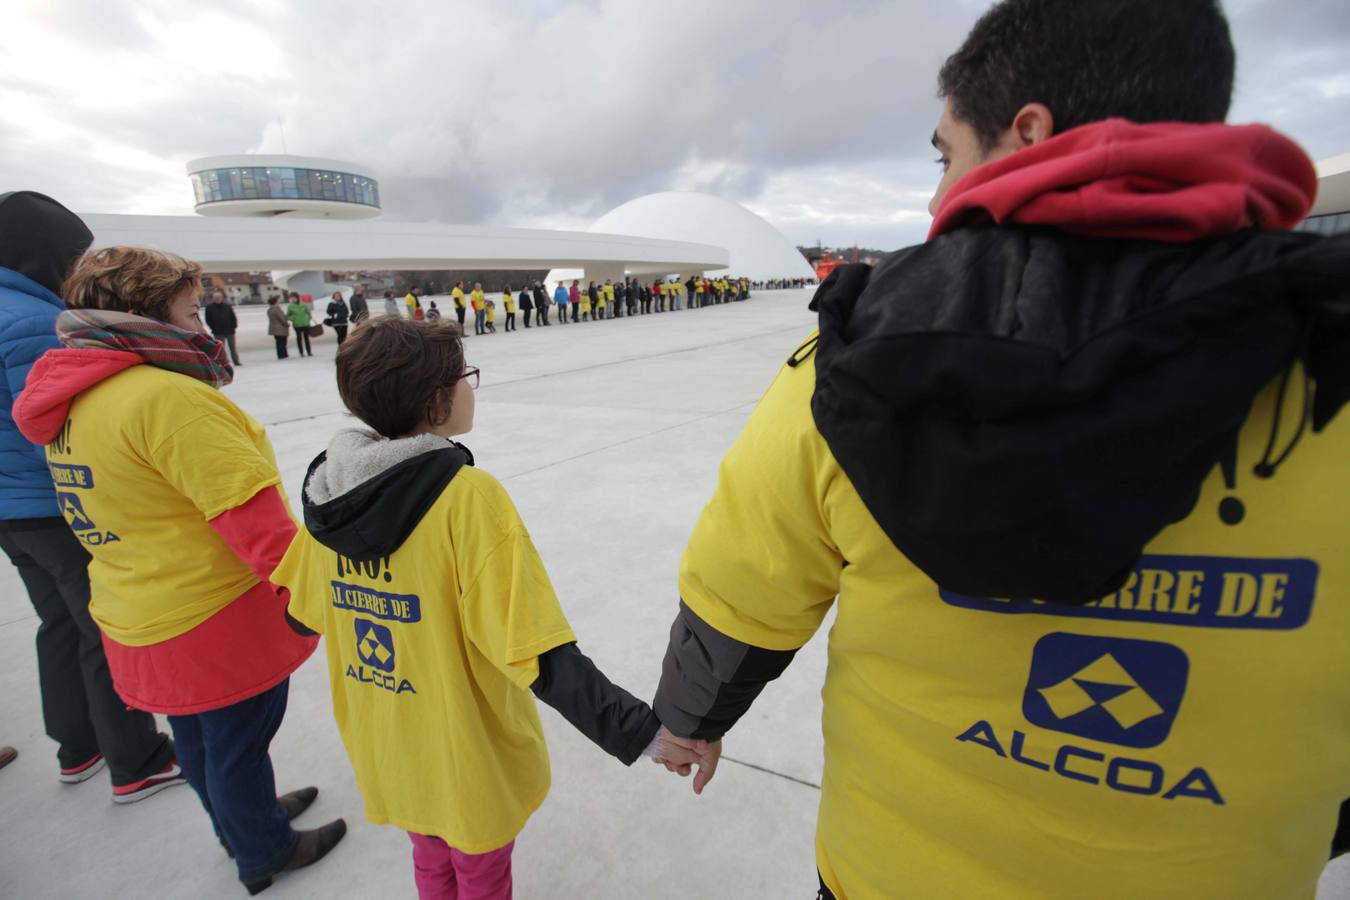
(375, 518)
(1022, 410)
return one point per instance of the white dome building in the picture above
(758, 251)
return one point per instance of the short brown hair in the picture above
(136, 280)
(393, 373)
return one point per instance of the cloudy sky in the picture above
(548, 113)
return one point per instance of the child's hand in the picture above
(679, 755)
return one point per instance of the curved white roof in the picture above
(278, 161)
(249, 245)
(758, 250)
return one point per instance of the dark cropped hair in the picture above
(393, 373)
(1087, 60)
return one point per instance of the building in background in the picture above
(271, 186)
(756, 249)
(1331, 213)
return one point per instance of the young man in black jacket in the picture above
(220, 318)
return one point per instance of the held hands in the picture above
(679, 755)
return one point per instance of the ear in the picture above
(1033, 124)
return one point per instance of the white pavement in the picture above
(607, 436)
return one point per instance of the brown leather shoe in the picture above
(7, 756)
(311, 847)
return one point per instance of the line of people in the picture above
(610, 300)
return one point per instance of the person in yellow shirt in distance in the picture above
(588, 299)
(479, 303)
(442, 628)
(509, 306)
(457, 297)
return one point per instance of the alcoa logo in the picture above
(375, 650)
(375, 645)
(1113, 690)
(1107, 690)
(73, 510)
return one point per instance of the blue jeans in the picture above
(223, 754)
(480, 321)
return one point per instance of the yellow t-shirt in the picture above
(1184, 738)
(457, 297)
(431, 652)
(492, 313)
(147, 458)
(410, 301)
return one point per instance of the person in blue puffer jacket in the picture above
(39, 241)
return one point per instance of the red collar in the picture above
(1161, 181)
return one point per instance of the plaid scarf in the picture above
(158, 343)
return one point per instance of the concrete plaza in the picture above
(608, 437)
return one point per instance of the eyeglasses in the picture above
(471, 375)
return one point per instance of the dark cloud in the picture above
(529, 111)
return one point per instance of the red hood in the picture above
(1163, 181)
(54, 382)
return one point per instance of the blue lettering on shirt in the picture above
(1199, 591)
(381, 605)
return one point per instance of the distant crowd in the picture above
(575, 303)
(295, 314)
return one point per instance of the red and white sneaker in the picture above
(166, 777)
(84, 771)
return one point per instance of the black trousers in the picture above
(229, 342)
(575, 307)
(80, 709)
(459, 314)
(510, 321)
(341, 332)
(281, 345)
(302, 341)
(526, 314)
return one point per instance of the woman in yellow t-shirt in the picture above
(182, 552)
(440, 620)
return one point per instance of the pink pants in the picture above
(444, 873)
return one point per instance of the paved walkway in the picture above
(608, 437)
